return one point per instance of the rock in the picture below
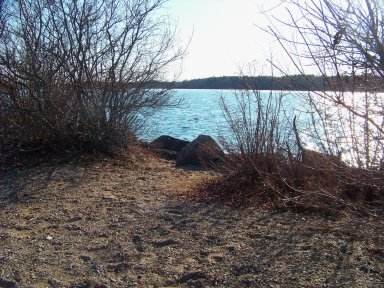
(201, 151)
(168, 143)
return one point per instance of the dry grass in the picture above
(314, 186)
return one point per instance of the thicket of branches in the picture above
(321, 149)
(341, 41)
(76, 75)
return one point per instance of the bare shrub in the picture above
(340, 42)
(258, 144)
(268, 164)
(79, 75)
(258, 126)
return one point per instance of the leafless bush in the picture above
(340, 42)
(258, 143)
(78, 75)
(269, 164)
(259, 127)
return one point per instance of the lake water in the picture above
(199, 113)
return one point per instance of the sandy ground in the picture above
(115, 224)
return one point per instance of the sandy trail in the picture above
(111, 225)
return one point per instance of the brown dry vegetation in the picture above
(130, 222)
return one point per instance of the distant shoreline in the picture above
(289, 83)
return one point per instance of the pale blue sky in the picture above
(224, 35)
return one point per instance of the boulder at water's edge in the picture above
(202, 151)
(168, 143)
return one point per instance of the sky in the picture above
(224, 35)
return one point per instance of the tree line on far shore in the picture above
(288, 82)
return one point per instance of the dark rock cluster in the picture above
(203, 151)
